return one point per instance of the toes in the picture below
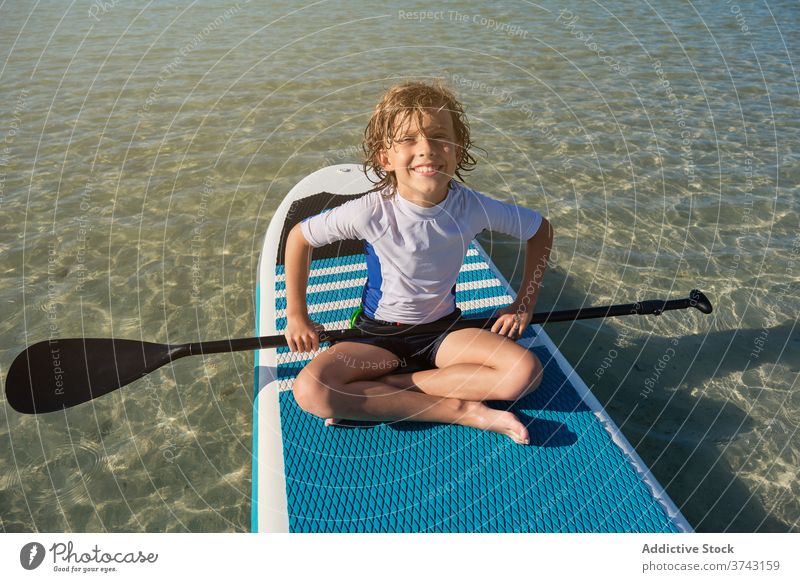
(519, 433)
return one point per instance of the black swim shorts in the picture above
(414, 352)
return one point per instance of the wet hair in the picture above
(396, 106)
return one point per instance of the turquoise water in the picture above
(146, 147)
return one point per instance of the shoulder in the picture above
(361, 207)
(506, 217)
(365, 214)
(370, 206)
(471, 200)
(468, 195)
(483, 201)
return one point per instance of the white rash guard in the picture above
(414, 253)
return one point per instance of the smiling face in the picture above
(423, 157)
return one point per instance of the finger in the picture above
(498, 325)
(319, 334)
(505, 328)
(319, 330)
(292, 345)
(513, 329)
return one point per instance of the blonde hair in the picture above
(395, 107)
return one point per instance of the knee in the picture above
(312, 395)
(523, 377)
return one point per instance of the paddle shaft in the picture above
(56, 374)
(650, 307)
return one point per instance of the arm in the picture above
(515, 318)
(300, 332)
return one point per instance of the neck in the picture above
(423, 199)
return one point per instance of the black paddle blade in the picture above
(57, 374)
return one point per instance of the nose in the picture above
(425, 146)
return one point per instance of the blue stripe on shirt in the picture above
(372, 289)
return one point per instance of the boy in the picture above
(416, 225)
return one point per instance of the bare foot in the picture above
(481, 416)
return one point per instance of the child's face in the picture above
(423, 159)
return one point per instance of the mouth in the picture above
(427, 170)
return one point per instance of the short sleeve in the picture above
(345, 222)
(509, 219)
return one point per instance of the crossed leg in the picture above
(346, 381)
(476, 364)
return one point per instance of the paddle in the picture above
(60, 373)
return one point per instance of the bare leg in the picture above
(474, 364)
(342, 382)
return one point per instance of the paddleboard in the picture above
(579, 474)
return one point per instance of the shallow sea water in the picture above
(145, 148)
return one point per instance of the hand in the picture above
(302, 334)
(512, 321)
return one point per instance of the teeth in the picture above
(425, 169)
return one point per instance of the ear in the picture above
(383, 160)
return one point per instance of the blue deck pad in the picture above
(423, 477)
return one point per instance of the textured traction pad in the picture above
(422, 477)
